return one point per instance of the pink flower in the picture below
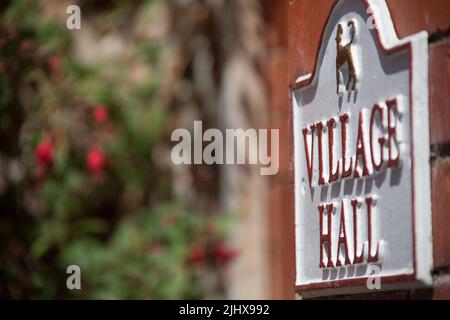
(155, 248)
(3, 42)
(223, 253)
(44, 153)
(197, 254)
(25, 45)
(100, 114)
(95, 161)
(53, 64)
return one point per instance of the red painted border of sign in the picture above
(386, 279)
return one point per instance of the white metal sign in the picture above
(361, 157)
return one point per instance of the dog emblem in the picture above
(345, 54)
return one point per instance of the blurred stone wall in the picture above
(223, 46)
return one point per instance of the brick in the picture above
(281, 223)
(306, 21)
(276, 80)
(442, 292)
(276, 31)
(412, 16)
(281, 217)
(441, 214)
(396, 295)
(279, 106)
(421, 294)
(439, 92)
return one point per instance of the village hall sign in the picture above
(361, 157)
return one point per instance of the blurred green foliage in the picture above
(79, 183)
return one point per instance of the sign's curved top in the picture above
(378, 19)
(361, 150)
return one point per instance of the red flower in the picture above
(44, 153)
(100, 114)
(53, 64)
(95, 161)
(197, 254)
(3, 42)
(223, 253)
(155, 248)
(25, 45)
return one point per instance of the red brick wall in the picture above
(281, 244)
(294, 27)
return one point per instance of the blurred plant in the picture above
(79, 179)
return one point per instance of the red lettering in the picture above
(361, 149)
(309, 155)
(371, 258)
(342, 239)
(356, 258)
(392, 107)
(376, 109)
(345, 172)
(334, 175)
(330, 207)
(343, 244)
(319, 126)
(325, 237)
